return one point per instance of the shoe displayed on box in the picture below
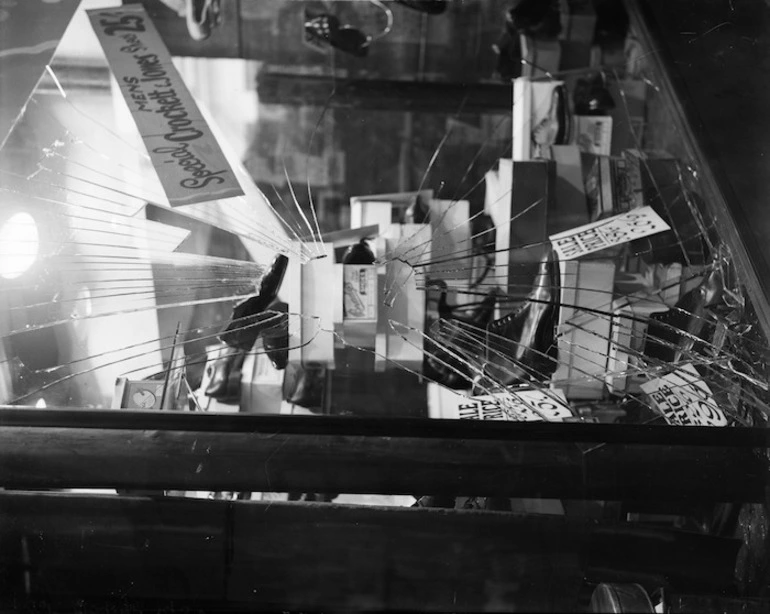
(522, 345)
(249, 318)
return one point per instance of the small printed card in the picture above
(684, 399)
(599, 235)
(516, 405)
(360, 292)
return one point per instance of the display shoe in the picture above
(225, 376)
(553, 129)
(431, 7)
(535, 18)
(275, 338)
(359, 253)
(674, 333)
(248, 318)
(201, 17)
(522, 345)
(326, 29)
(591, 97)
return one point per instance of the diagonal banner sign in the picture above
(30, 31)
(183, 150)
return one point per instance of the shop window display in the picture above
(352, 220)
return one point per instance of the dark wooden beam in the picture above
(63, 550)
(170, 450)
(384, 95)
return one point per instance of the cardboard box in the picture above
(532, 102)
(593, 133)
(584, 327)
(625, 372)
(570, 206)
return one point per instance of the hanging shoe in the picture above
(202, 16)
(248, 319)
(431, 7)
(326, 28)
(522, 345)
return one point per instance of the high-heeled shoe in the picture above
(522, 345)
(247, 320)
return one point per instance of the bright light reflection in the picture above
(19, 242)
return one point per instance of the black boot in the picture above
(522, 345)
(225, 377)
(248, 319)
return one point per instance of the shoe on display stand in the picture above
(521, 346)
(250, 317)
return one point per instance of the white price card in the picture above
(599, 235)
(189, 162)
(516, 405)
(684, 399)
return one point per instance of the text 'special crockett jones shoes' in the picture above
(249, 318)
(521, 346)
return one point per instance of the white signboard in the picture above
(605, 233)
(184, 152)
(519, 406)
(684, 399)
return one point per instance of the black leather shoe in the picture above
(674, 334)
(225, 377)
(248, 321)
(522, 345)
(360, 253)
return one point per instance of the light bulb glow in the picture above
(19, 244)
